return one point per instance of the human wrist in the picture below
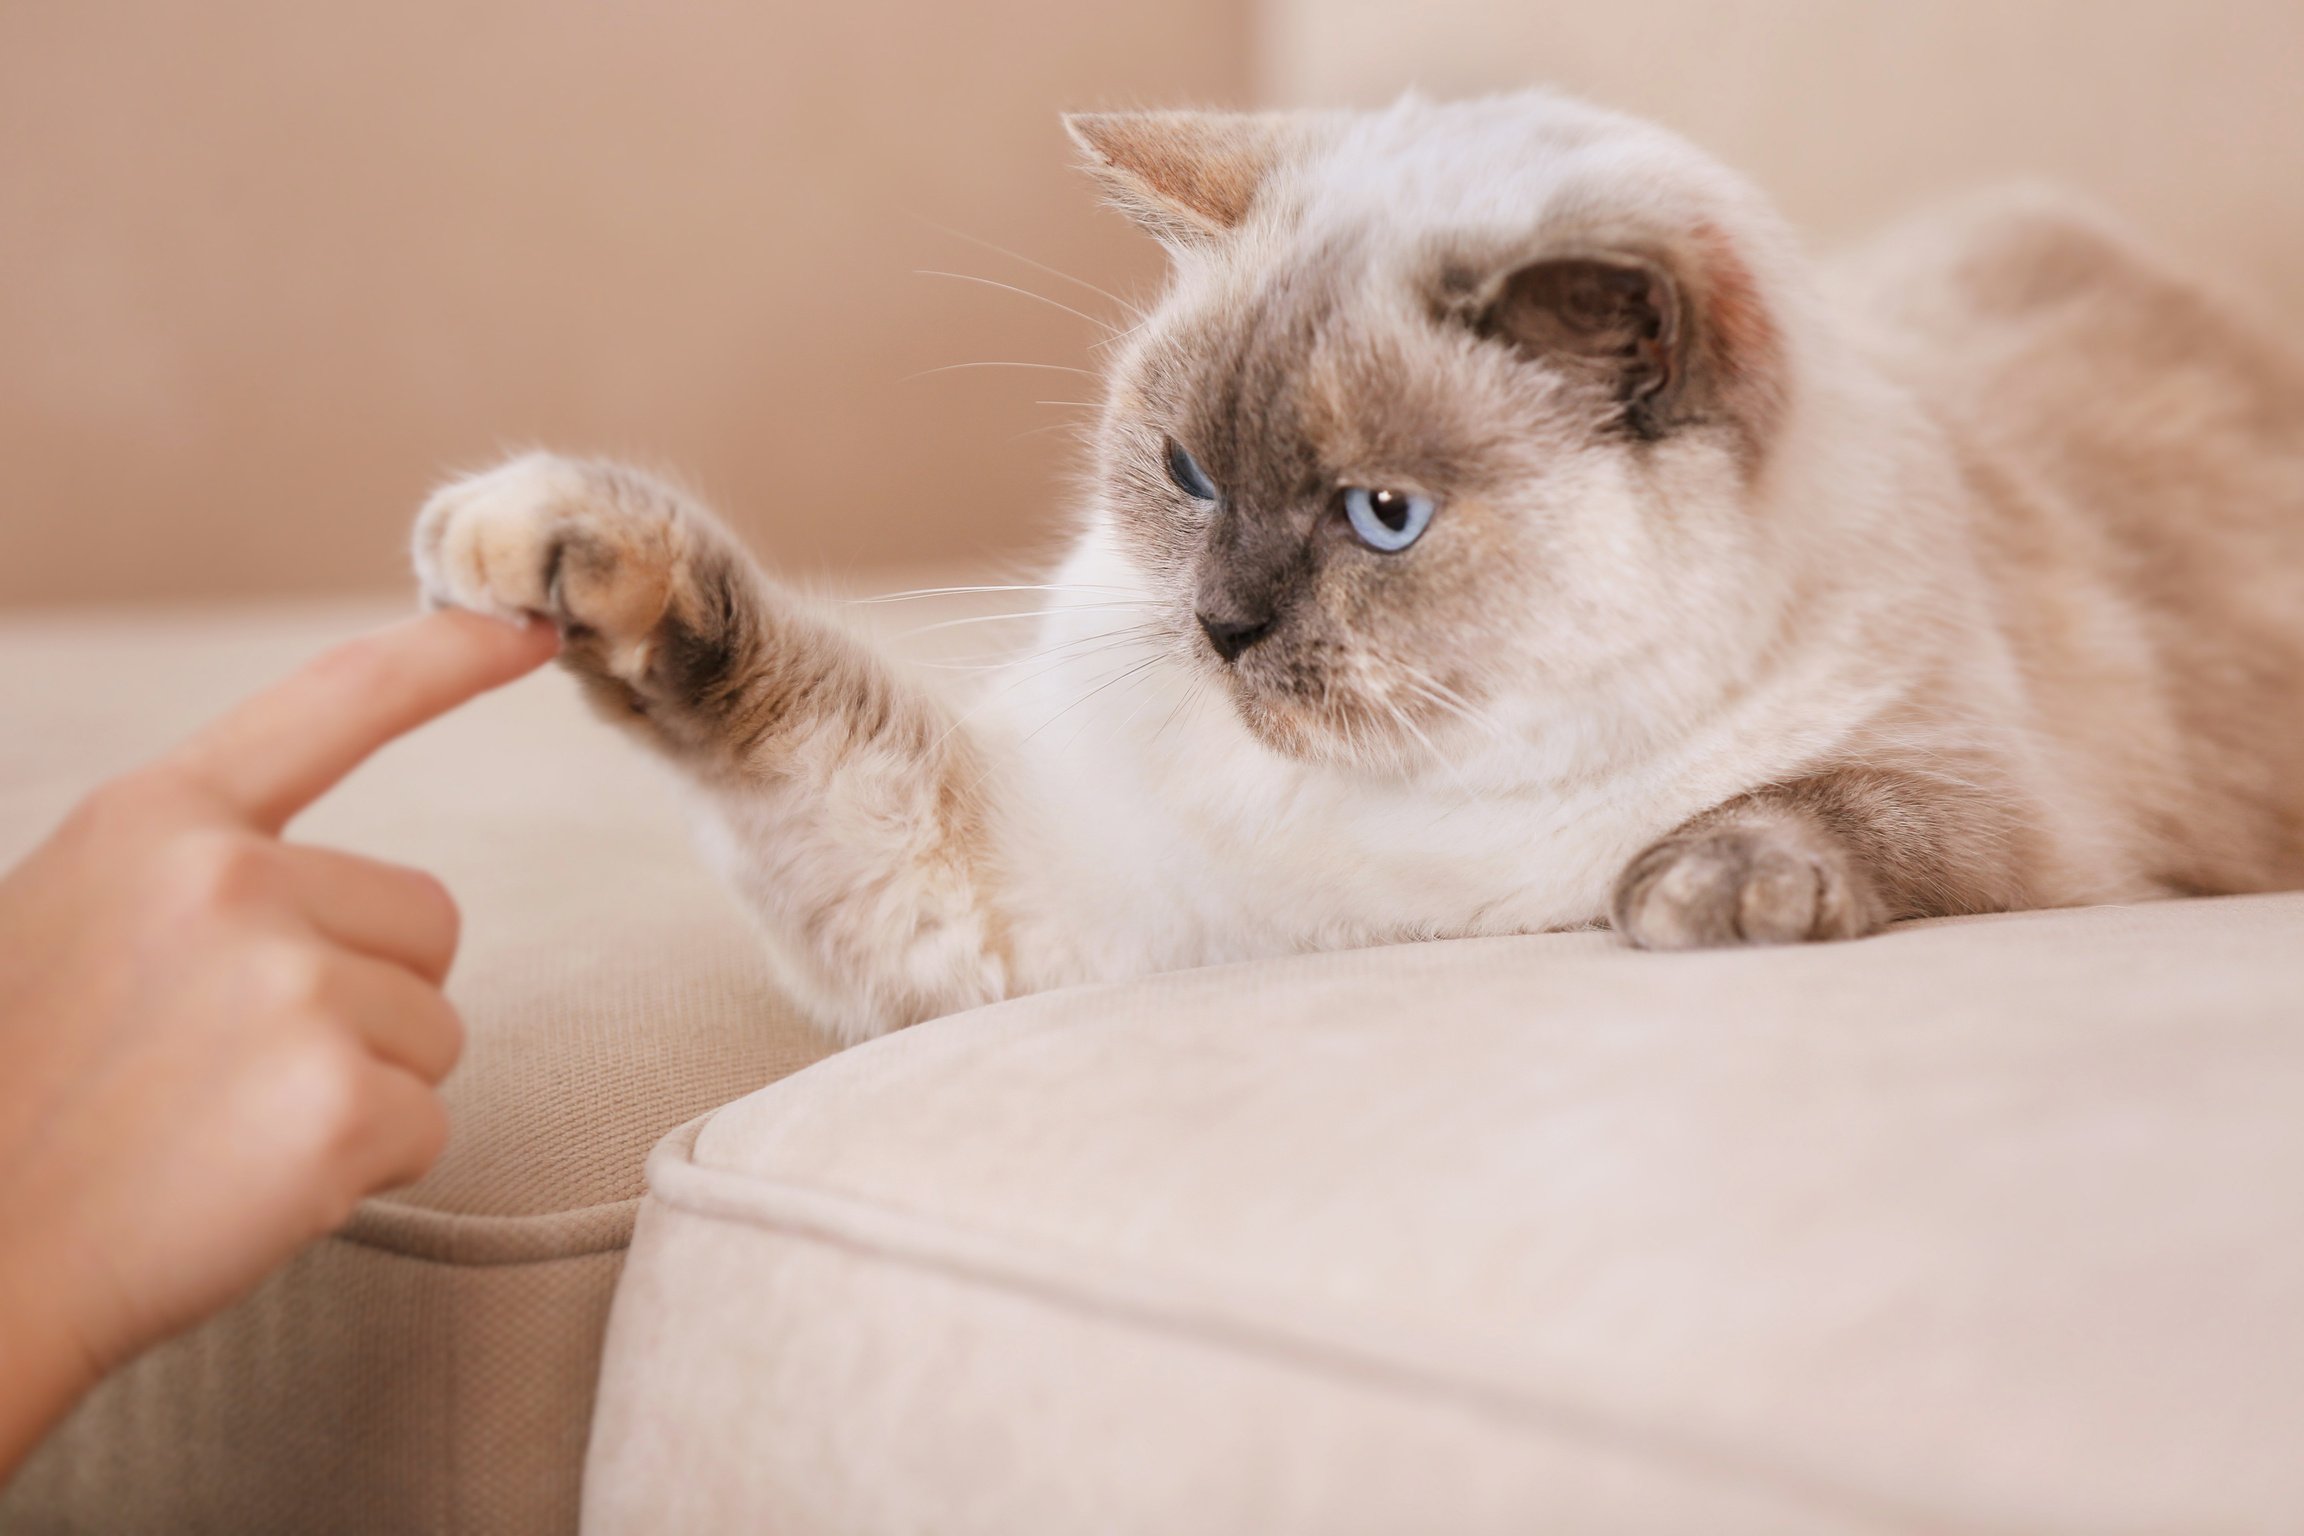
(46, 1365)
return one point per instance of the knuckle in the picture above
(293, 980)
(222, 871)
(143, 817)
(322, 1096)
(118, 806)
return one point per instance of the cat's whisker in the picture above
(1408, 728)
(1440, 690)
(1119, 336)
(1447, 701)
(1086, 373)
(1131, 717)
(1079, 427)
(1002, 662)
(1128, 672)
(1425, 680)
(1014, 683)
(1443, 697)
(1084, 652)
(1469, 794)
(968, 277)
(1023, 586)
(1073, 652)
(1128, 685)
(1192, 693)
(1080, 646)
(1067, 652)
(1031, 613)
(1125, 672)
(1038, 266)
(1142, 629)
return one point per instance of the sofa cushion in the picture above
(429, 1368)
(1978, 1225)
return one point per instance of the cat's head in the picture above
(1450, 415)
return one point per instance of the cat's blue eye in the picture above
(1387, 520)
(1190, 478)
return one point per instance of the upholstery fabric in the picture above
(1979, 1226)
(430, 1368)
(1987, 1225)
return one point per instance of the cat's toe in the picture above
(494, 542)
(1742, 885)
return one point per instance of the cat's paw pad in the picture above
(547, 535)
(1730, 885)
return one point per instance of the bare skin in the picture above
(218, 1042)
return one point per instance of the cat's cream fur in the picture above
(1761, 604)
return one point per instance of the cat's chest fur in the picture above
(1154, 831)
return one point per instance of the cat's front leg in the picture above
(852, 812)
(1836, 855)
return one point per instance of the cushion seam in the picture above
(536, 1262)
(1304, 1348)
(481, 1242)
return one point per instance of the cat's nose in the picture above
(1232, 636)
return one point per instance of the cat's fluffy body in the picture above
(1968, 576)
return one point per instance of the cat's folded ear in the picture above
(1186, 176)
(1673, 334)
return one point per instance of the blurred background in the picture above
(268, 270)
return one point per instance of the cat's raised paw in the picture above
(552, 536)
(1743, 884)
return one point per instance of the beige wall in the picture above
(2187, 115)
(266, 269)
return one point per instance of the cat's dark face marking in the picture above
(1287, 390)
(1578, 401)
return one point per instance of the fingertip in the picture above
(524, 640)
(447, 926)
(540, 636)
(454, 1034)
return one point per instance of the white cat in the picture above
(1512, 535)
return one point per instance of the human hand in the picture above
(214, 1043)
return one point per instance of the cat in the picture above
(1506, 529)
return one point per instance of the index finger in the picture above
(274, 754)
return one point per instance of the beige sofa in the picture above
(1979, 1226)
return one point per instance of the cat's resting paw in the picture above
(553, 537)
(1772, 883)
